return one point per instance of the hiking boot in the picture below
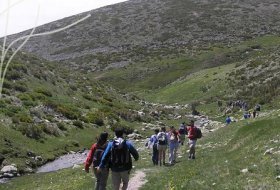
(189, 157)
(193, 157)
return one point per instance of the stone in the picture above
(269, 151)
(9, 169)
(30, 154)
(278, 178)
(76, 166)
(38, 158)
(245, 170)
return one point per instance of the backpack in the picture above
(162, 140)
(120, 155)
(198, 133)
(182, 130)
(98, 155)
(173, 137)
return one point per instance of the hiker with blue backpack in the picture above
(153, 143)
(162, 145)
(118, 156)
(94, 158)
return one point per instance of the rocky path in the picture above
(138, 180)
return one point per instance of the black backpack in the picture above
(98, 155)
(120, 155)
(162, 138)
(198, 133)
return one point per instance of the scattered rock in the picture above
(30, 154)
(76, 166)
(269, 151)
(38, 158)
(278, 178)
(9, 169)
(245, 170)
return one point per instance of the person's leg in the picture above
(125, 179)
(175, 152)
(154, 156)
(159, 155)
(97, 179)
(164, 154)
(194, 143)
(171, 153)
(103, 179)
(116, 180)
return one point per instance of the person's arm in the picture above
(88, 161)
(133, 151)
(105, 156)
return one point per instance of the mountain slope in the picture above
(137, 30)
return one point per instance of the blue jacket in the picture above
(105, 160)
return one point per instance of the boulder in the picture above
(9, 169)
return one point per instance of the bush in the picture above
(51, 129)
(96, 118)
(78, 124)
(21, 87)
(62, 126)
(31, 131)
(44, 91)
(24, 117)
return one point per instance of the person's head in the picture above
(183, 123)
(163, 129)
(119, 133)
(103, 137)
(192, 123)
(156, 131)
(172, 128)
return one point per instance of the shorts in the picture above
(162, 147)
(192, 143)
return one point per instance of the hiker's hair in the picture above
(156, 131)
(119, 132)
(102, 138)
(192, 121)
(163, 129)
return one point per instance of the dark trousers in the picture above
(155, 155)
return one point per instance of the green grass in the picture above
(197, 86)
(219, 165)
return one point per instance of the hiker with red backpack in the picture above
(118, 156)
(193, 134)
(94, 158)
(173, 137)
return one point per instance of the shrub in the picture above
(51, 129)
(24, 117)
(13, 75)
(31, 131)
(21, 87)
(62, 126)
(44, 91)
(78, 124)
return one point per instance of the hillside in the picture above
(138, 30)
(140, 65)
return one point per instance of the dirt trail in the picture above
(138, 180)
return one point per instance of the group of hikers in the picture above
(171, 140)
(117, 154)
(247, 114)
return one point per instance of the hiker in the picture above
(173, 137)
(228, 120)
(192, 139)
(182, 132)
(118, 155)
(154, 144)
(94, 158)
(162, 145)
(254, 113)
